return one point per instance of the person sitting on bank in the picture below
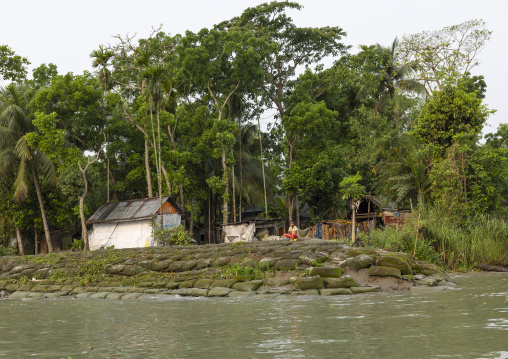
(292, 231)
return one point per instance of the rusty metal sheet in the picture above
(127, 210)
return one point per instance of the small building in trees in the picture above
(131, 224)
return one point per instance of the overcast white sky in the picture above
(65, 32)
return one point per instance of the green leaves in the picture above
(351, 188)
(48, 139)
(12, 66)
(449, 113)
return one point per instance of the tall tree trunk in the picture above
(173, 143)
(263, 169)
(147, 168)
(234, 194)
(43, 212)
(297, 212)
(107, 187)
(241, 174)
(84, 232)
(21, 248)
(166, 178)
(214, 216)
(226, 189)
(159, 164)
(289, 198)
(191, 219)
(353, 227)
(209, 217)
(113, 182)
(180, 189)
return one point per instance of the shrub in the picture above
(402, 239)
(7, 251)
(173, 236)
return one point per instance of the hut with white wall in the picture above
(130, 224)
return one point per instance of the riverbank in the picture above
(304, 267)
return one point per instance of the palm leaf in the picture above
(45, 167)
(22, 150)
(23, 180)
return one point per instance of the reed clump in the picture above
(479, 239)
(458, 244)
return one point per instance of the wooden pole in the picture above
(368, 215)
(417, 229)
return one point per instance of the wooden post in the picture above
(368, 215)
(417, 229)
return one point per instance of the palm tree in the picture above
(15, 152)
(395, 75)
(153, 92)
(101, 58)
(352, 189)
(413, 182)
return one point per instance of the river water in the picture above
(469, 321)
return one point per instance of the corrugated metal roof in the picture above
(128, 210)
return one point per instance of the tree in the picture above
(100, 62)
(52, 141)
(15, 152)
(284, 48)
(395, 77)
(215, 60)
(498, 139)
(469, 179)
(77, 101)
(474, 84)
(448, 113)
(12, 66)
(134, 68)
(42, 75)
(352, 189)
(412, 181)
(316, 167)
(444, 56)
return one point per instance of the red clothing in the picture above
(292, 236)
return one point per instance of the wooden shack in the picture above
(130, 224)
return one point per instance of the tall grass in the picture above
(480, 239)
(402, 239)
(458, 244)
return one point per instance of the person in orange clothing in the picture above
(292, 231)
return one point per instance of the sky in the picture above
(65, 32)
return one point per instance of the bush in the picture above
(176, 236)
(402, 239)
(7, 251)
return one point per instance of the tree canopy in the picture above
(245, 114)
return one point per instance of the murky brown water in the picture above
(470, 321)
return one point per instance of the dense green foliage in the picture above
(179, 115)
